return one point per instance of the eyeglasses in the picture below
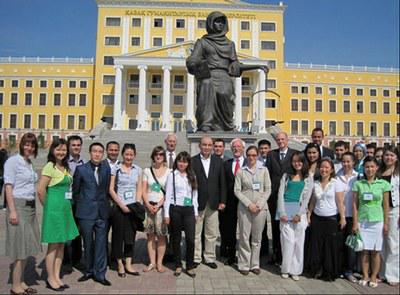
(159, 155)
(251, 155)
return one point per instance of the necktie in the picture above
(282, 155)
(237, 166)
(170, 161)
(96, 174)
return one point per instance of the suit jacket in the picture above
(327, 152)
(231, 199)
(277, 168)
(211, 189)
(91, 199)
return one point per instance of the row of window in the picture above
(108, 99)
(301, 127)
(346, 91)
(42, 99)
(181, 24)
(44, 84)
(72, 122)
(302, 105)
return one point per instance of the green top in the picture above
(293, 191)
(370, 198)
(54, 173)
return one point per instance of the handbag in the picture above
(139, 214)
(355, 242)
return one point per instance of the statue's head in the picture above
(217, 23)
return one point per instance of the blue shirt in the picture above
(126, 183)
(73, 164)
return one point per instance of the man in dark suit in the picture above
(278, 163)
(317, 136)
(210, 175)
(90, 192)
(228, 217)
(219, 149)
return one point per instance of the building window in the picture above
(318, 90)
(397, 93)
(28, 83)
(156, 81)
(179, 40)
(346, 106)
(372, 128)
(157, 41)
(294, 89)
(42, 122)
(294, 127)
(271, 83)
(133, 124)
(1, 98)
(304, 89)
(179, 82)
(28, 99)
(57, 84)
(269, 123)
(318, 124)
(397, 107)
(72, 84)
(135, 41)
(386, 92)
(245, 101)
(82, 100)
(155, 121)
(71, 122)
(268, 27)
(1, 83)
(180, 23)
(133, 99)
(295, 105)
(158, 22)
(108, 79)
(108, 60)
(360, 107)
(332, 128)
(270, 103)
(360, 129)
(268, 45)
(156, 99)
(1, 122)
(83, 84)
(386, 129)
(178, 99)
(14, 83)
(245, 25)
(133, 81)
(318, 105)
(112, 41)
(304, 105)
(346, 128)
(360, 92)
(136, 22)
(304, 127)
(244, 44)
(14, 99)
(397, 127)
(113, 21)
(372, 107)
(332, 91)
(42, 99)
(246, 85)
(372, 92)
(81, 122)
(201, 23)
(13, 121)
(71, 99)
(271, 64)
(57, 99)
(27, 121)
(108, 99)
(346, 91)
(43, 84)
(332, 106)
(386, 107)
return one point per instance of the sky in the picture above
(345, 32)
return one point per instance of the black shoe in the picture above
(244, 272)
(196, 264)
(212, 265)
(133, 273)
(122, 275)
(104, 282)
(48, 286)
(65, 286)
(85, 278)
(229, 261)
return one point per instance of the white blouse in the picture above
(326, 197)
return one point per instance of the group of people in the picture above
(315, 199)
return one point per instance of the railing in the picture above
(133, 84)
(178, 85)
(341, 68)
(60, 60)
(155, 85)
(247, 87)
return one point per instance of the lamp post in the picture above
(256, 121)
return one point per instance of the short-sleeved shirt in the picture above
(326, 197)
(55, 174)
(20, 174)
(348, 193)
(126, 183)
(154, 191)
(370, 198)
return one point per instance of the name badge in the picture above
(68, 195)
(128, 196)
(368, 196)
(155, 187)
(256, 186)
(187, 201)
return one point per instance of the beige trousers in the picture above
(208, 218)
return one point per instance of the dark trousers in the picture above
(182, 217)
(264, 241)
(123, 234)
(227, 228)
(276, 234)
(94, 234)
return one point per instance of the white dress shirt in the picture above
(241, 160)
(206, 163)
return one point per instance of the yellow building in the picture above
(140, 82)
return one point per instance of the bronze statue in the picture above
(214, 63)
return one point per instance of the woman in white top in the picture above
(181, 210)
(327, 209)
(154, 180)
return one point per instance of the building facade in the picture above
(139, 80)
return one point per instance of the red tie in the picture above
(237, 166)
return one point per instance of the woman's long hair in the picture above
(382, 167)
(52, 158)
(304, 169)
(185, 157)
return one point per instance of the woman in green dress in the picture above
(58, 225)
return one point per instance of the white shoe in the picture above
(284, 276)
(295, 278)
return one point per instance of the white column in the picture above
(125, 34)
(261, 100)
(255, 38)
(234, 31)
(124, 100)
(166, 123)
(190, 98)
(146, 32)
(191, 28)
(168, 31)
(142, 114)
(238, 103)
(117, 116)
